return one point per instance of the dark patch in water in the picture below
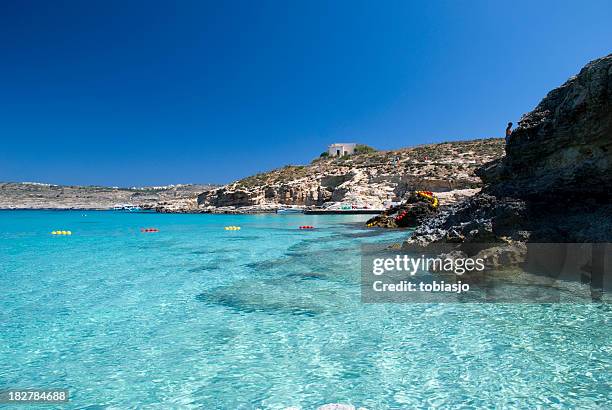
(314, 256)
(262, 265)
(271, 296)
(245, 238)
(221, 336)
(308, 275)
(252, 303)
(295, 262)
(306, 246)
(297, 254)
(202, 252)
(205, 267)
(360, 234)
(220, 251)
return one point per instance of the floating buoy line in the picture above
(151, 230)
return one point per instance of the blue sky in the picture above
(149, 93)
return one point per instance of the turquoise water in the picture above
(266, 317)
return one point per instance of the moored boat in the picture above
(290, 210)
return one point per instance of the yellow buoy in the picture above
(232, 228)
(61, 232)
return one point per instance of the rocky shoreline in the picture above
(553, 186)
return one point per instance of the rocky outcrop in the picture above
(555, 182)
(364, 180)
(411, 212)
(564, 145)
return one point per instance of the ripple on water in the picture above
(191, 318)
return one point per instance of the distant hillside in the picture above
(29, 195)
(367, 179)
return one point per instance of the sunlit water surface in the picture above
(195, 316)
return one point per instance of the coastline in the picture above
(28, 195)
(447, 198)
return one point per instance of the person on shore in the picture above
(508, 132)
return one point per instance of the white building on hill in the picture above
(341, 148)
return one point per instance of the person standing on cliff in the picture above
(508, 132)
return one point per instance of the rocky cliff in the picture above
(555, 182)
(565, 144)
(367, 179)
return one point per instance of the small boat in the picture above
(357, 211)
(343, 208)
(290, 210)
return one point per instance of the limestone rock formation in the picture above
(366, 180)
(555, 182)
(564, 145)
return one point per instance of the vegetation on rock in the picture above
(368, 178)
(363, 149)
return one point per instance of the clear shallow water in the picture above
(267, 317)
